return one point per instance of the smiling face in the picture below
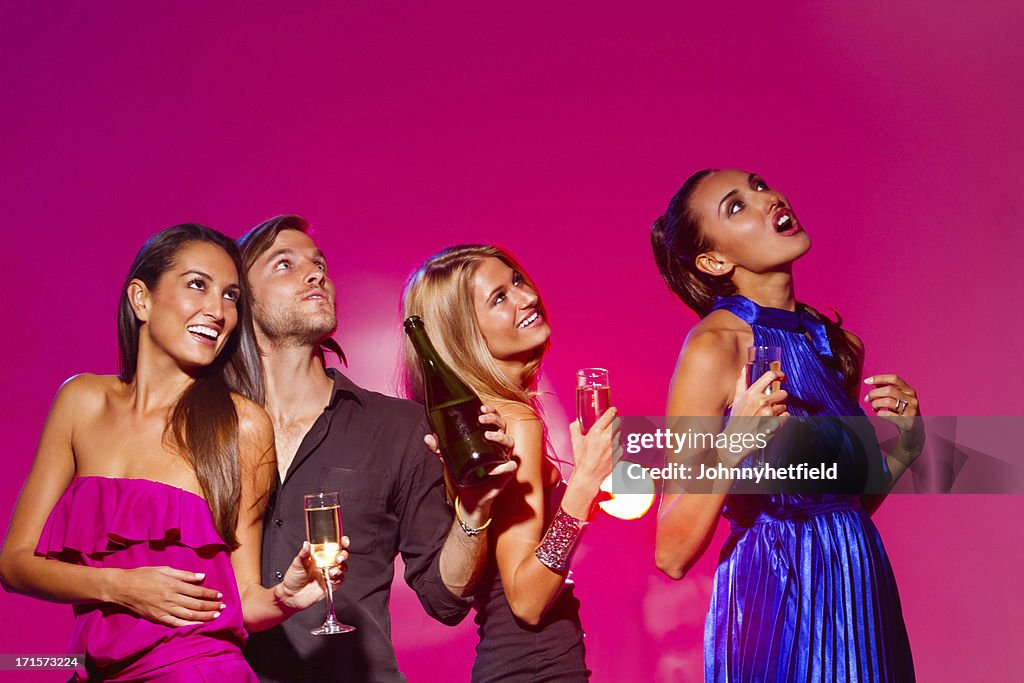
(508, 311)
(293, 298)
(192, 310)
(750, 226)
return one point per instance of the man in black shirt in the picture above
(332, 435)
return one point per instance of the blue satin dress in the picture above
(804, 590)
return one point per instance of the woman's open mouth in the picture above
(203, 334)
(785, 223)
(529, 320)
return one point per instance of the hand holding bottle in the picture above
(476, 500)
(453, 410)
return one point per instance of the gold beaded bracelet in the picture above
(470, 531)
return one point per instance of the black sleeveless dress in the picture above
(511, 651)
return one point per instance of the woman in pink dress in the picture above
(144, 506)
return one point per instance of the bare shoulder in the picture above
(723, 321)
(515, 411)
(524, 425)
(87, 394)
(88, 385)
(708, 367)
(80, 407)
(253, 420)
(714, 343)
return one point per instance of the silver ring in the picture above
(901, 406)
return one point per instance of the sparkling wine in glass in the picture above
(762, 359)
(593, 396)
(323, 529)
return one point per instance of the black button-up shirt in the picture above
(369, 448)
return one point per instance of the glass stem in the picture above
(331, 619)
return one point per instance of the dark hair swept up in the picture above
(677, 241)
(203, 422)
(260, 238)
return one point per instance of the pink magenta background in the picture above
(559, 130)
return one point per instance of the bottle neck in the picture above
(441, 386)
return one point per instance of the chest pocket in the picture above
(363, 498)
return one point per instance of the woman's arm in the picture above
(703, 387)
(869, 501)
(161, 594)
(887, 392)
(686, 522)
(530, 586)
(911, 442)
(263, 608)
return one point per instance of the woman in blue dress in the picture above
(803, 590)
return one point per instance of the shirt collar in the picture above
(344, 388)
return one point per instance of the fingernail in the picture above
(869, 380)
(223, 606)
(216, 615)
(200, 575)
(866, 398)
(220, 595)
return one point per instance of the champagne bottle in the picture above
(453, 411)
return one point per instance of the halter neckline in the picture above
(801, 320)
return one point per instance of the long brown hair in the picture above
(440, 292)
(203, 422)
(677, 241)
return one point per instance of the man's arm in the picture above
(426, 522)
(464, 555)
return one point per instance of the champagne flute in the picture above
(762, 359)
(323, 529)
(593, 396)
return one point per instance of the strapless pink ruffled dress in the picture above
(130, 523)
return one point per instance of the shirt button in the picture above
(279, 575)
(279, 522)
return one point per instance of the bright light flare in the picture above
(627, 505)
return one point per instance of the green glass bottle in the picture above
(453, 411)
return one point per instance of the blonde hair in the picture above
(440, 292)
